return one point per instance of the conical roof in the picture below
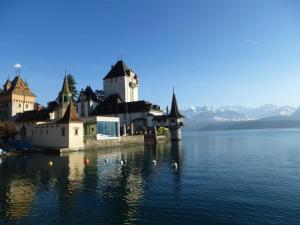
(174, 109)
(120, 69)
(7, 85)
(65, 88)
(70, 114)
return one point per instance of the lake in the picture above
(226, 177)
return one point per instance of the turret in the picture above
(7, 85)
(64, 98)
(175, 120)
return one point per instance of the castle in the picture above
(16, 97)
(66, 124)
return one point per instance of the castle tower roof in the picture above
(17, 86)
(65, 88)
(7, 85)
(120, 69)
(70, 114)
(175, 113)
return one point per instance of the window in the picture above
(26, 106)
(109, 129)
(63, 131)
(19, 105)
(41, 132)
(76, 131)
(47, 131)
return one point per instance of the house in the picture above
(57, 126)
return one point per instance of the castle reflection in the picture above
(28, 185)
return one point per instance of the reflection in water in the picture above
(76, 170)
(19, 198)
(29, 184)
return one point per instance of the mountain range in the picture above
(241, 117)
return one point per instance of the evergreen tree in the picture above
(72, 85)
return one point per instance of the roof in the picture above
(7, 84)
(124, 107)
(18, 86)
(112, 99)
(33, 116)
(65, 88)
(160, 118)
(120, 69)
(88, 94)
(70, 114)
(174, 109)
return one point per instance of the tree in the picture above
(72, 85)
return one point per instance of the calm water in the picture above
(232, 177)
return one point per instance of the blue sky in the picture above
(214, 52)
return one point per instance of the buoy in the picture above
(106, 160)
(174, 164)
(154, 162)
(50, 163)
(86, 161)
(121, 162)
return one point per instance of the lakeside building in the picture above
(117, 112)
(16, 97)
(120, 87)
(58, 125)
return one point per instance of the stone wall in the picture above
(124, 140)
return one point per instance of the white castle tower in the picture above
(122, 81)
(175, 120)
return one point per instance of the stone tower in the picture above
(175, 120)
(15, 98)
(121, 81)
(64, 98)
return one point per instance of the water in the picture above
(232, 177)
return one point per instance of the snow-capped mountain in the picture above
(236, 113)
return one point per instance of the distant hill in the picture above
(240, 117)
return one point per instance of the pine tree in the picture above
(72, 85)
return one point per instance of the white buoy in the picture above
(121, 162)
(175, 165)
(154, 162)
(106, 160)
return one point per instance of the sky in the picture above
(224, 52)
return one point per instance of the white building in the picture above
(121, 81)
(121, 100)
(57, 126)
